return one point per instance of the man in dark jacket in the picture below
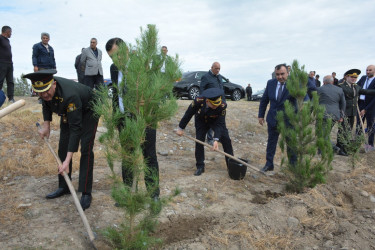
(43, 54)
(209, 110)
(311, 84)
(80, 68)
(71, 101)
(6, 63)
(212, 79)
(249, 92)
(317, 82)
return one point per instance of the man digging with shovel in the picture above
(209, 110)
(71, 101)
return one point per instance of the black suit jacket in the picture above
(114, 78)
(369, 100)
(269, 96)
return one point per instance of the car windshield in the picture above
(259, 92)
(187, 75)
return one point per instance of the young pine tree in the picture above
(146, 94)
(304, 132)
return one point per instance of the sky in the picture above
(248, 38)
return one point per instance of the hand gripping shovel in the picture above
(73, 192)
(236, 171)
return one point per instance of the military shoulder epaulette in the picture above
(200, 99)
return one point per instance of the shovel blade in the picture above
(236, 170)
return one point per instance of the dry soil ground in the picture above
(212, 212)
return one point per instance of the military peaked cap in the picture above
(42, 80)
(353, 72)
(212, 93)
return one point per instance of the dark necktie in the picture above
(280, 91)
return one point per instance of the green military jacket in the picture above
(71, 101)
(351, 97)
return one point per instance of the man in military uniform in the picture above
(71, 101)
(209, 110)
(351, 92)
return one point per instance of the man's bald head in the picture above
(370, 71)
(215, 68)
(328, 79)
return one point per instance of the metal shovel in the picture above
(235, 171)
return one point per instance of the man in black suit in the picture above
(366, 103)
(276, 94)
(149, 146)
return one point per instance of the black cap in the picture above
(41, 80)
(212, 93)
(353, 72)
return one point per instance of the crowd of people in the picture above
(78, 124)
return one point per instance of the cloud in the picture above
(248, 38)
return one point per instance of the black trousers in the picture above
(370, 119)
(81, 77)
(86, 167)
(273, 137)
(149, 153)
(93, 81)
(201, 131)
(6, 73)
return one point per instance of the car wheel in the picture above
(193, 93)
(236, 95)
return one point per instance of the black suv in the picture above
(189, 84)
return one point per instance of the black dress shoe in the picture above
(343, 153)
(267, 168)
(86, 201)
(59, 192)
(199, 171)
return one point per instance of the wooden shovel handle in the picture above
(14, 106)
(221, 152)
(360, 118)
(72, 191)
